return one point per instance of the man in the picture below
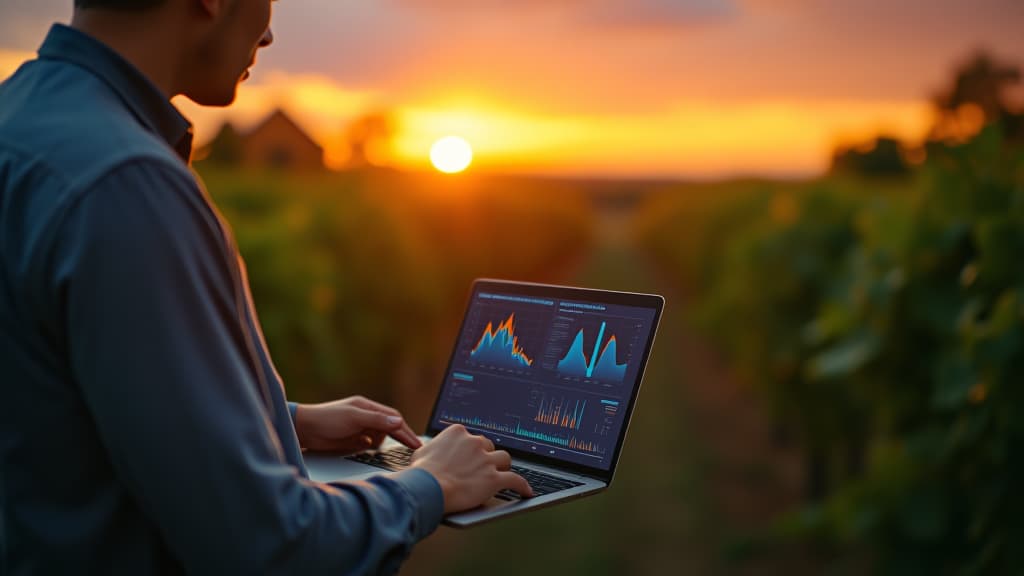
(143, 429)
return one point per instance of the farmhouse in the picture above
(276, 143)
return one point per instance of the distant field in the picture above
(817, 333)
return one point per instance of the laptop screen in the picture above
(551, 373)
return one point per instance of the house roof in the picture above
(228, 132)
(279, 114)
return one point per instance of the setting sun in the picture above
(451, 155)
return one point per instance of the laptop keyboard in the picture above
(400, 457)
(394, 459)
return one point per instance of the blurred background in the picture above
(829, 194)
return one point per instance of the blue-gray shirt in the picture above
(143, 428)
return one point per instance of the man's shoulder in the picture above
(58, 118)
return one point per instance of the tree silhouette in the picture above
(882, 157)
(978, 96)
(368, 138)
(226, 147)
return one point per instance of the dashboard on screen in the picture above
(547, 376)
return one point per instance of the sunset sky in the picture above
(677, 88)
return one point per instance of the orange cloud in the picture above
(691, 138)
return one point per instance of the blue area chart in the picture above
(501, 346)
(602, 364)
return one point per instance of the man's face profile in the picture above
(200, 49)
(226, 49)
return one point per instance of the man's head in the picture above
(208, 45)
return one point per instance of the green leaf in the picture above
(954, 378)
(845, 358)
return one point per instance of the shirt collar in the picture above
(146, 102)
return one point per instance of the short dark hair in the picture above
(125, 5)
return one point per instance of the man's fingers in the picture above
(407, 429)
(488, 445)
(514, 481)
(388, 419)
(374, 420)
(367, 404)
(501, 459)
(353, 444)
(453, 429)
(374, 438)
(405, 435)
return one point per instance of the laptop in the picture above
(548, 373)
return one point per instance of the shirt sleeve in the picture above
(158, 349)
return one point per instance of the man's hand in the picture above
(350, 425)
(468, 468)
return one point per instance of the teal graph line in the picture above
(601, 364)
(597, 347)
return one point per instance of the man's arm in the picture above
(158, 351)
